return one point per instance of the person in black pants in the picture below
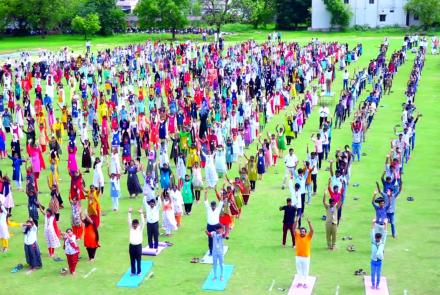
(135, 246)
(288, 221)
(153, 224)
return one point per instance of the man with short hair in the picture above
(152, 210)
(303, 241)
(331, 225)
(290, 160)
(212, 216)
(135, 246)
(377, 252)
(288, 220)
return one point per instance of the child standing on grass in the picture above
(115, 190)
(72, 250)
(217, 250)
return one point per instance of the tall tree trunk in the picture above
(218, 28)
(173, 32)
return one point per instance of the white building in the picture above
(127, 6)
(372, 13)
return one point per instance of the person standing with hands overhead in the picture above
(212, 216)
(331, 225)
(303, 241)
(135, 246)
(152, 209)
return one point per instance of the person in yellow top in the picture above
(58, 129)
(94, 205)
(303, 242)
(102, 109)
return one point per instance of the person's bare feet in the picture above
(377, 287)
(214, 279)
(372, 287)
(222, 279)
(305, 286)
(298, 285)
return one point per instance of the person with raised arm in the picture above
(135, 238)
(303, 241)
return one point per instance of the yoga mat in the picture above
(152, 252)
(208, 259)
(383, 287)
(218, 285)
(302, 291)
(128, 281)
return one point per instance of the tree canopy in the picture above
(163, 14)
(87, 26)
(428, 11)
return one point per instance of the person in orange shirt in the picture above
(303, 241)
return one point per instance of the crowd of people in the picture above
(171, 120)
(149, 106)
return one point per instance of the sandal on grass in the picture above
(350, 248)
(195, 260)
(410, 199)
(17, 268)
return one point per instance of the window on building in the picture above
(382, 17)
(346, 1)
(371, 1)
(416, 17)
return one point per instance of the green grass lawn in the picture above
(411, 261)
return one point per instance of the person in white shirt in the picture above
(290, 160)
(135, 246)
(212, 216)
(31, 249)
(152, 210)
(323, 114)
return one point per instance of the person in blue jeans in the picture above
(217, 250)
(377, 248)
(390, 195)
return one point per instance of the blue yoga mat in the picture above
(218, 285)
(128, 281)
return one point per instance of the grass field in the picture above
(411, 261)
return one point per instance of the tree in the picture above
(257, 12)
(291, 13)
(428, 11)
(163, 14)
(217, 12)
(111, 17)
(341, 13)
(44, 15)
(87, 26)
(4, 10)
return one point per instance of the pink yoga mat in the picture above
(383, 287)
(302, 291)
(152, 252)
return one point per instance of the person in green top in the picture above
(185, 140)
(252, 170)
(188, 194)
(262, 119)
(288, 130)
(281, 140)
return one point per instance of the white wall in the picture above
(320, 15)
(365, 14)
